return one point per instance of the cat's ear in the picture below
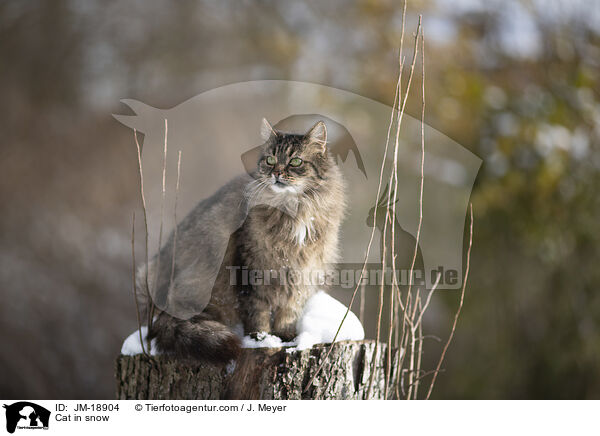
(318, 135)
(266, 130)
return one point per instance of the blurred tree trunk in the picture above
(262, 373)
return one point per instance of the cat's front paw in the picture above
(258, 336)
(286, 334)
(284, 325)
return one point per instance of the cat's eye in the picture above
(296, 162)
(270, 160)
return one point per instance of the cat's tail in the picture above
(197, 338)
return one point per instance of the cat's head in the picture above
(292, 163)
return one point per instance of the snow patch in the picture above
(318, 324)
(264, 340)
(321, 319)
(132, 345)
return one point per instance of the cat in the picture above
(284, 216)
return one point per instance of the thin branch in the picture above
(462, 299)
(135, 296)
(429, 295)
(417, 237)
(397, 322)
(417, 340)
(380, 310)
(412, 335)
(141, 174)
(394, 175)
(420, 350)
(394, 178)
(388, 367)
(175, 219)
(361, 312)
(162, 218)
(426, 374)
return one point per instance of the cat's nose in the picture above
(276, 174)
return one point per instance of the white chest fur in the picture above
(303, 231)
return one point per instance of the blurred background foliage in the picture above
(516, 82)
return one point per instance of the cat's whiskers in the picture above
(262, 189)
(253, 188)
(257, 191)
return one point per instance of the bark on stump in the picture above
(261, 373)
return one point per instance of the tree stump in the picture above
(262, 374)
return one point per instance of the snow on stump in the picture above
(261, 374)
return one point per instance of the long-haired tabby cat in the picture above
(285, 216)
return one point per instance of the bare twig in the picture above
(394, 176)
(135, 296)
(425, 374)
(420, 348)
(175, 219)
(412, 336)
(380, 310)
(462, 299)
(388, 367)
(162, 218)
(417, 327)
(397, 321)
(422, 309)
(428, 299)
(141, 174)
(361, 312)
(392, 201)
